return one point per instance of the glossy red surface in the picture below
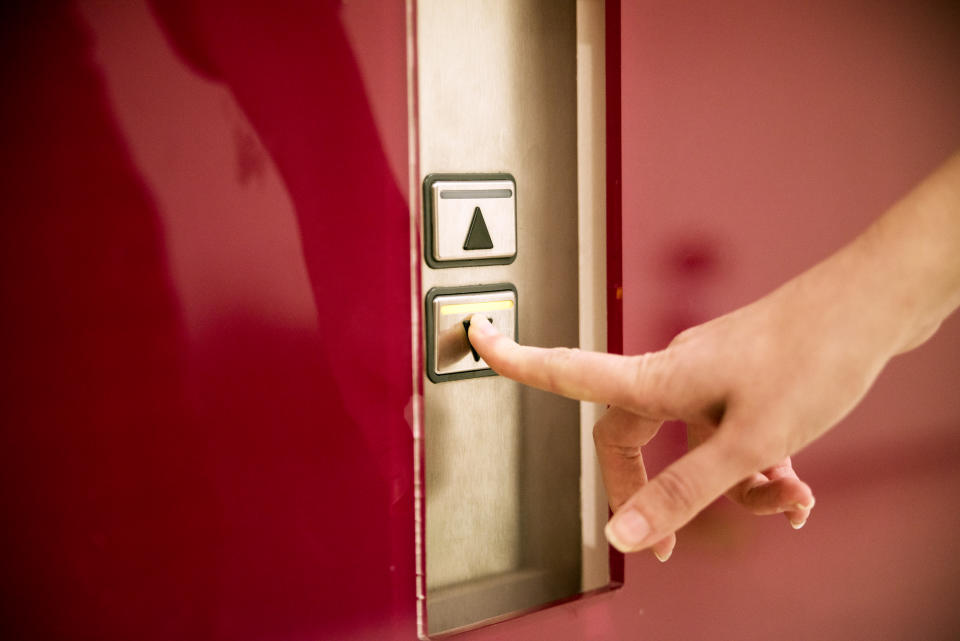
(205, 294)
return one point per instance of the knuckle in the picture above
(604, 442)
(676, 491)
(641, 369)
(606, 426)
(683, 337)
(627, 452)
(598, 431)
(611, 437)
(559, 356)
(557, 363)
(650, 380)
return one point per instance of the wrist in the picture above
(908, 261)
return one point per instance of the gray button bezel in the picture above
(430, 325)
(429, 224)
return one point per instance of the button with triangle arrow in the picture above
(477, 236)
(469, 219)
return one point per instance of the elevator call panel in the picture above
(470, 220)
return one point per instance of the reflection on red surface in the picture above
(203, 412)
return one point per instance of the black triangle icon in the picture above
(478, 237)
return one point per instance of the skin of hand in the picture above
(758, 384)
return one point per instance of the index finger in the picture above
(582, 375)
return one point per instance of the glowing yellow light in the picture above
(472, 308)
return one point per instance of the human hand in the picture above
(753, 386)
(619, 437)
(758, 384)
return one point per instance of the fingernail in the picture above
(482, 325)
(663, 557)
(801, 506)
(798, 524)
(627, 530)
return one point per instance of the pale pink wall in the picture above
(757, 138)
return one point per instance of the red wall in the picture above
(757, 138)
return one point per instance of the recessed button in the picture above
(450, 356)
(470, 219)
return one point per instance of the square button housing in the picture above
(469, 219)
(449, 355)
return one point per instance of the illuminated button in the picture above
(470, 219)
(450, 356)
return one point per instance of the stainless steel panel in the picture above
(497, 93)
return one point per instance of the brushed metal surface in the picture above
(497, 93)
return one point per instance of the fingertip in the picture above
(800, 513)
(480, 333)
(797, 519)
(481, 326)
(663, 549)
(627, 530)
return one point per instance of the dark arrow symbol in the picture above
(477, 236)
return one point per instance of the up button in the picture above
(469, 219)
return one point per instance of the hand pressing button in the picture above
(466, 328)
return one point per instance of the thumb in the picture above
(677, 494)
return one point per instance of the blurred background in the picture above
(757, 138)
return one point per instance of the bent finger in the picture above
(677, 494)
(772, 496)
(797, 510)
(619, 436)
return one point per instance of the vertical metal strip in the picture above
(612, 35)
(416, 345)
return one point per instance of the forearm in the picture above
(890, 288)
(915, 251)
